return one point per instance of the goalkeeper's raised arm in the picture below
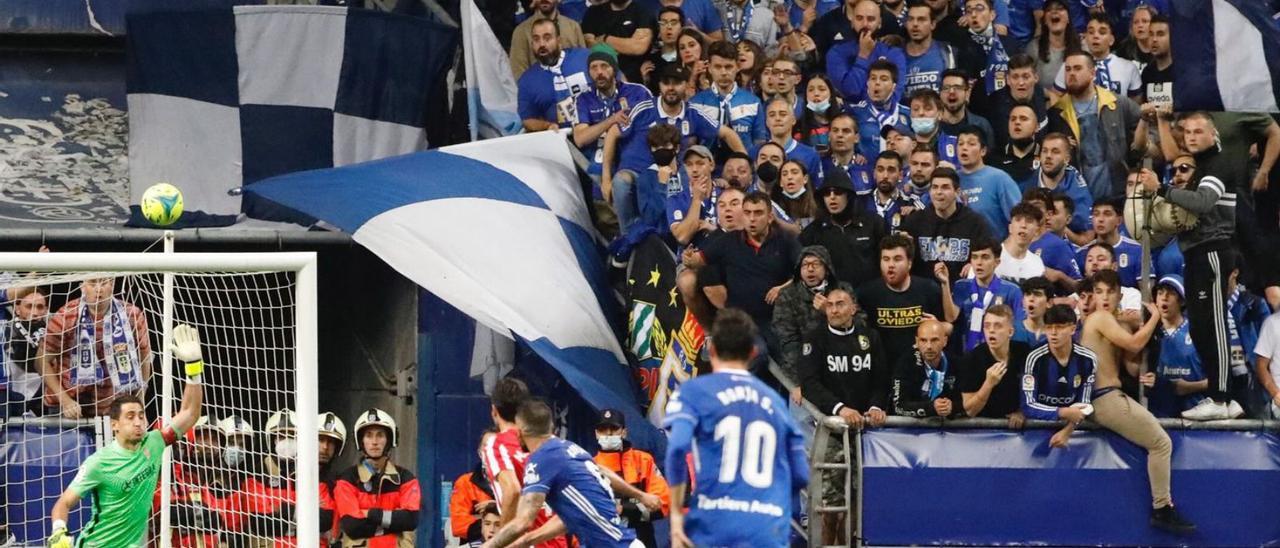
(122, 476)
(186, 347)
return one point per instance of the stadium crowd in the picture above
(923, 205)
(935, 208)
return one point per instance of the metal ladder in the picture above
(830, 430)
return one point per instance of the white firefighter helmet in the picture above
(203, 423)
(233, 425)
(331, 426)
(375, 417)
(282, 422)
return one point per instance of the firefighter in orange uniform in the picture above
(637, 468)
(377, 501)
(471, 495)
(203, 510)
(333, 439)
(269, 496)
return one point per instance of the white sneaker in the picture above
(1207, 410)
(1234, 411)
(8, 540)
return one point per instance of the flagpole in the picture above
(469, 65)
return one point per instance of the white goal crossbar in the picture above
(302, 264)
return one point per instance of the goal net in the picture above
(81, 330)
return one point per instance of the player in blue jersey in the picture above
(563, 476)
(750, 456)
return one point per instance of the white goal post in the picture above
(160, 270)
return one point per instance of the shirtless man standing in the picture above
(1115, 411)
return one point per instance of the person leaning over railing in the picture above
(987, 385)
(844, 373)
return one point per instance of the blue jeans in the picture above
(624, 199)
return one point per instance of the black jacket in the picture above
(844, 369)
(853, 247)
(947, 240)
(911, 393)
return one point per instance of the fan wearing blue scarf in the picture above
(972, 297)
(98, 344)
(924, 381)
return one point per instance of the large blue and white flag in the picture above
(1226, 56)
(222, 98)
(491, 90)
(500, 230)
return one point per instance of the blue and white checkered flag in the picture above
(222, 98)
(1226, 56)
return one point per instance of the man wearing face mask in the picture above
(269, 496)
(378, 502)
(769, 158)
(671, 109)
(925, 106)
(637, 468)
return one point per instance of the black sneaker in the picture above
(1168, 519)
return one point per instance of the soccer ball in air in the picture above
(162, 204)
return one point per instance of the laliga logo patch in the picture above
(806, 349)
(1124, 261)
(1028, 382)
(864, 342)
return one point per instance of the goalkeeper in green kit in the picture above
(122, 476)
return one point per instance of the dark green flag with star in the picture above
(656, 309)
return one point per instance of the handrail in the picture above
(48, 422)
(897, 421)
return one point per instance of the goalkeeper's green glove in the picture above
(60, 537)
(186, 347)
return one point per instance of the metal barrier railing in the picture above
(851, 438)
(101, 425)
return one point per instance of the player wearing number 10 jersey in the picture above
(749, 451)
